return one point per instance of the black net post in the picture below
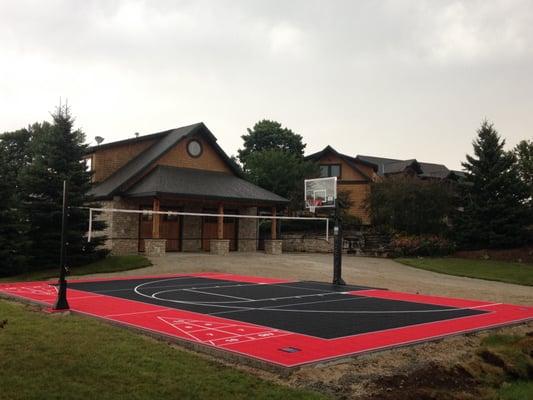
(62, 303)
(337, 248)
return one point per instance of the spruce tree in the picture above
(13, 241)
(495, 212)
(57, 152)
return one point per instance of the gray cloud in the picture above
(393, 78)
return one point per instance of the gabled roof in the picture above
(396, 167)
(349, 160)
(194, 183)
(391, 166)
(119, 180)
(431, 170)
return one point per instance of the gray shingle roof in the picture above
(119, 180)
(400, 166)
(391, 165)
(195, 183)
(430, 170)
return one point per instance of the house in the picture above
(182, 170)
(355, 174)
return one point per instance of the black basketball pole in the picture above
(337, 248)
(61, 303)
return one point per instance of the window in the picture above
(330, 170)
(194, 148)
(88, 163)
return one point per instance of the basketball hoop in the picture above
(312, 209)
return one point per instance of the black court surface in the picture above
(281, 322)
(310, 308)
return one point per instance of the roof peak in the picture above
(141, 138)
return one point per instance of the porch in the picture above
(204, 226)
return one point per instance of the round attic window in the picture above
(194, 148)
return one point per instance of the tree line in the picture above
(490, 207)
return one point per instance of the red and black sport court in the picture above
(276, 321)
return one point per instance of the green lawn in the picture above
(503, 271)
(108, 264)
(67, 356)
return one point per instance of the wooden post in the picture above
(156, 219)
(220, 222)
(274, 234)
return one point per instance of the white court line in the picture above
(387, 311)
(219, 305)
(163, 287)
(245, 300)
(295, 304)
(212, 294)
(141, 312)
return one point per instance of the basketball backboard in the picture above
(320, 193)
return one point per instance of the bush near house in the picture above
(421, 245)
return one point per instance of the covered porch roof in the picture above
(200, 184)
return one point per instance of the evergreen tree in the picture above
(13, 240)
(57, 152)
(495, 210)
(524, 154)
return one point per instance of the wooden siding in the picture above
(358, 193)
(208, 160)
(347, 171)
(353, 182)
(107, 160)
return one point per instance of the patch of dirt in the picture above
(450, 369)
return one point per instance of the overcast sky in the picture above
(402, 79)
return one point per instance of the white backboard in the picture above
(320, 192)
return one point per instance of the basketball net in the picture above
(312, 204)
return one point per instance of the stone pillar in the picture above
(247, 230)
(122, 229)
(273, 246)
(219, 247)
(155, 247)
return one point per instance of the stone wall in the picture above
(122, 228)
(301, 243)
(219, 247)
(273, 246)
(155, 247)
(360, 243)
(248, 232)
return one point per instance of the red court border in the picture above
(265, 343)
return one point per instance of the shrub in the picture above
(421, 245)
